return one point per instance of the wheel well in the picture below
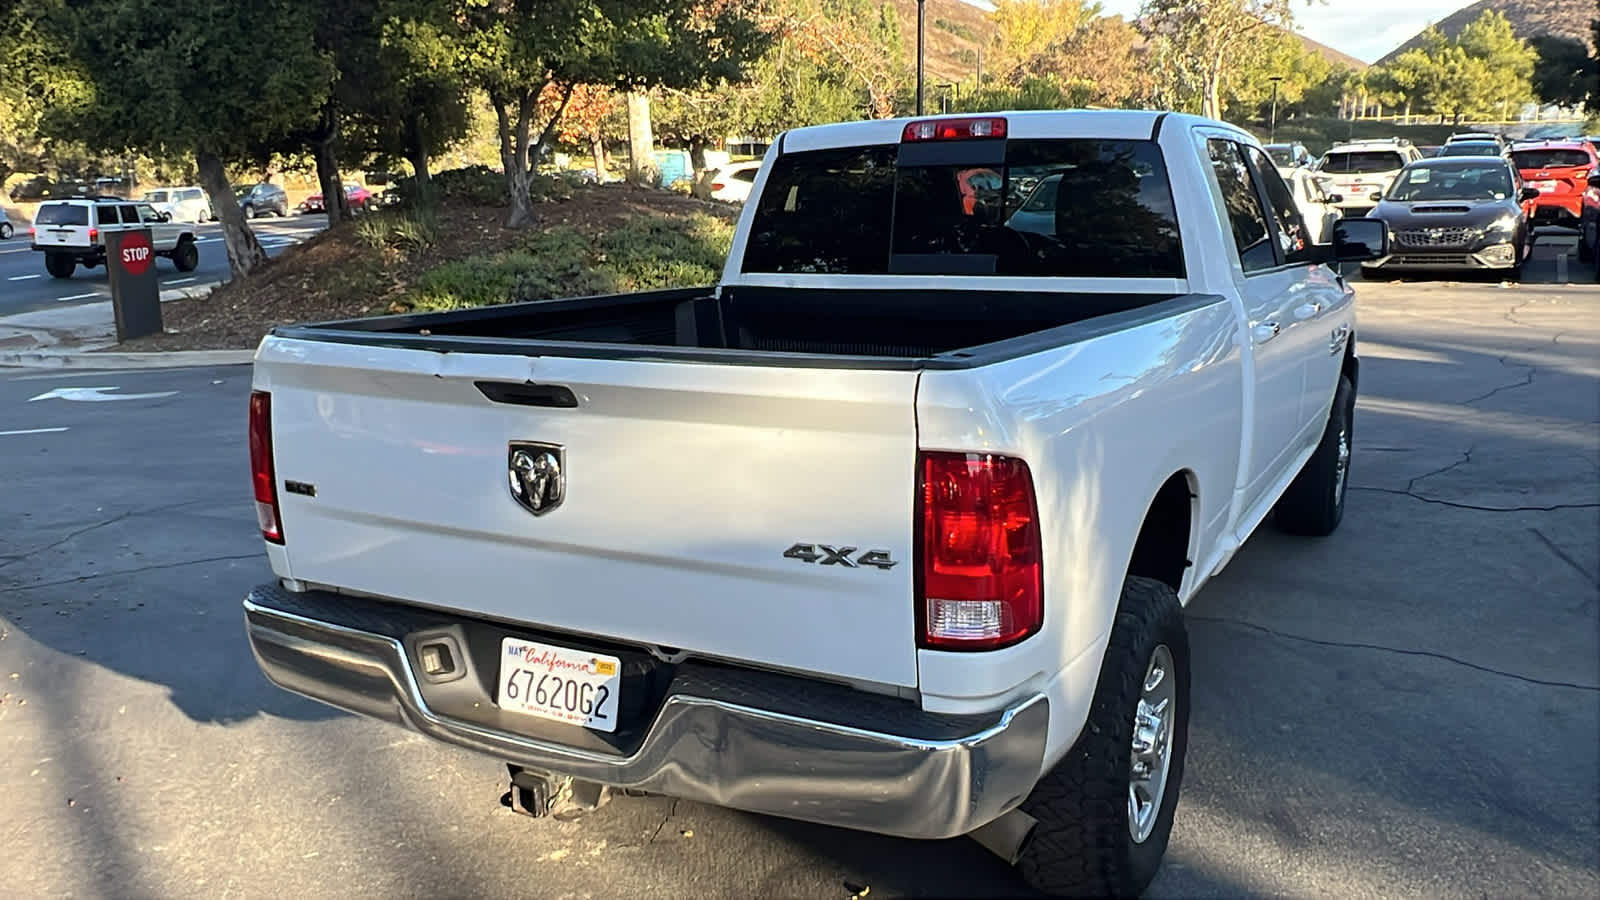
(1351, 367)
(1162, 550)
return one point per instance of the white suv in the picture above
(1359, 169)
(71, 233)
(185, 204)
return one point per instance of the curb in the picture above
(171, 359)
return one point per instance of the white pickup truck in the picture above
(892, 529)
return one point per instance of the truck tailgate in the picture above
(684, 485)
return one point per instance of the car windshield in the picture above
(1557, 158)
(62, 214)
(155, 196)
(1471, 148)
(1362, 162)
(1452, 181)
(243, 189)
(1283, 156)
(1078, 207)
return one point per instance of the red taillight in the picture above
(717, 185)
(954, 130)
(266, 485)
(980, 573)
(94, 234)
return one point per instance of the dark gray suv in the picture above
(260, 199)
(1463, 212)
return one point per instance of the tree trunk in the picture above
(513, 132)
(245, 254)
(701, 186)
(597, 146)
(328, 179)
(417, 149)
(1211, 103)
(641, 142)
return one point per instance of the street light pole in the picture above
(921, 35)
(1272, 129)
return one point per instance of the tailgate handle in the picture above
(529, 394)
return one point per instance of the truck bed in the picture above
(893, 328)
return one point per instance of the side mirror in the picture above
(166, 217)
(1333, 198)
(1377, 197)
(1361, 239)
(1529, 193)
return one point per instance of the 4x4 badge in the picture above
(537, 475)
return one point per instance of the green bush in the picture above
(414, 229)
(645, 253)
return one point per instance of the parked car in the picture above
(1318, 202)
(1288, 157)
(1477, 137)
(72, 233)
(354, 194)
(183, 204)
(1471, 148)
(1563, 172)
(891, 530)
(732, 183)
(6, 229)
(1360, 168)
(260, 199)
(1458, 213)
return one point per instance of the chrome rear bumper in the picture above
(910, 781)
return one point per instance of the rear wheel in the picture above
(59, 265)
(186, 256)
(249, 211)
(1314, 503)
(5, 231)
(1105, 811)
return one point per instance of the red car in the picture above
(1563, 172)
(354, 194)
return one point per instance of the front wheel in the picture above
(5, 231)
(1314, 503)
(249, 211)
(1105, 811)
(59, 265)
(186, 256)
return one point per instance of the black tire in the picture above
(1314, 503)
(1585, 249)
(1083, 844)
(59, 265)
(186, 256)
(249, 211)
(5, 231)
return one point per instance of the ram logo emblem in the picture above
(537, 475)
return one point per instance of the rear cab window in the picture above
(1074, 207)
(1362, 162)
(1551, 159)
(62, 214)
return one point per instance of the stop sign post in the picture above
(135, 294)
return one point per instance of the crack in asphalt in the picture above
(1525, 382)
(1472, 506)
(1402, 651)
(76, 533)
(15, 589)
(1466, 457)
(663, 823)
(1562, 554)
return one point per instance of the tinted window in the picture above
(745, 175)
(1282, 156)
(106, 215)
(1242, 205)
(1470, 148)
(1362, 162)
(824, 211)
(1550, 159)
(1292, 235)
(130, 216)
(61, 214)
(149, 214)
(1452, 181)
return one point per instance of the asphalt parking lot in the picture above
(1410, 707)
(25, 286)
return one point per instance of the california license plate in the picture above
(1544, 187)
(572, 686)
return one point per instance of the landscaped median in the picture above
(585, 240)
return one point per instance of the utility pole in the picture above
(921, 39)
(1272, 129)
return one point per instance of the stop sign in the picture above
(137, 253)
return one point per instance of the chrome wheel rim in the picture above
(1341, 465)
(1150, 757)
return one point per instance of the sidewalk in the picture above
(79, 337)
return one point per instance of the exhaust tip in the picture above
(1007, 836)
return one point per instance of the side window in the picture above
(1242, 204)
(130, 215)
(105, 215)
(149, 214)
(1292, 234)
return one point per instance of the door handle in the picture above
(1265, 331)
(1307, 311)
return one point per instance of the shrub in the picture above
(410, 230)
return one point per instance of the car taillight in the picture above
(94, 234)
(954, 130)
(980, 572)
(717, 185)
(261, 473)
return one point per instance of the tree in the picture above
(1298, 68)
(170, 77)
(1201, 43)
(1564, 71)
(588, 110)
(1484, 71)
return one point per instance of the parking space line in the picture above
(23, 277)
(179, 280)
(81, 296)
(32, 431)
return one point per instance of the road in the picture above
(1409, 707)
(25, 286)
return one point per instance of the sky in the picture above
(1365, 29)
